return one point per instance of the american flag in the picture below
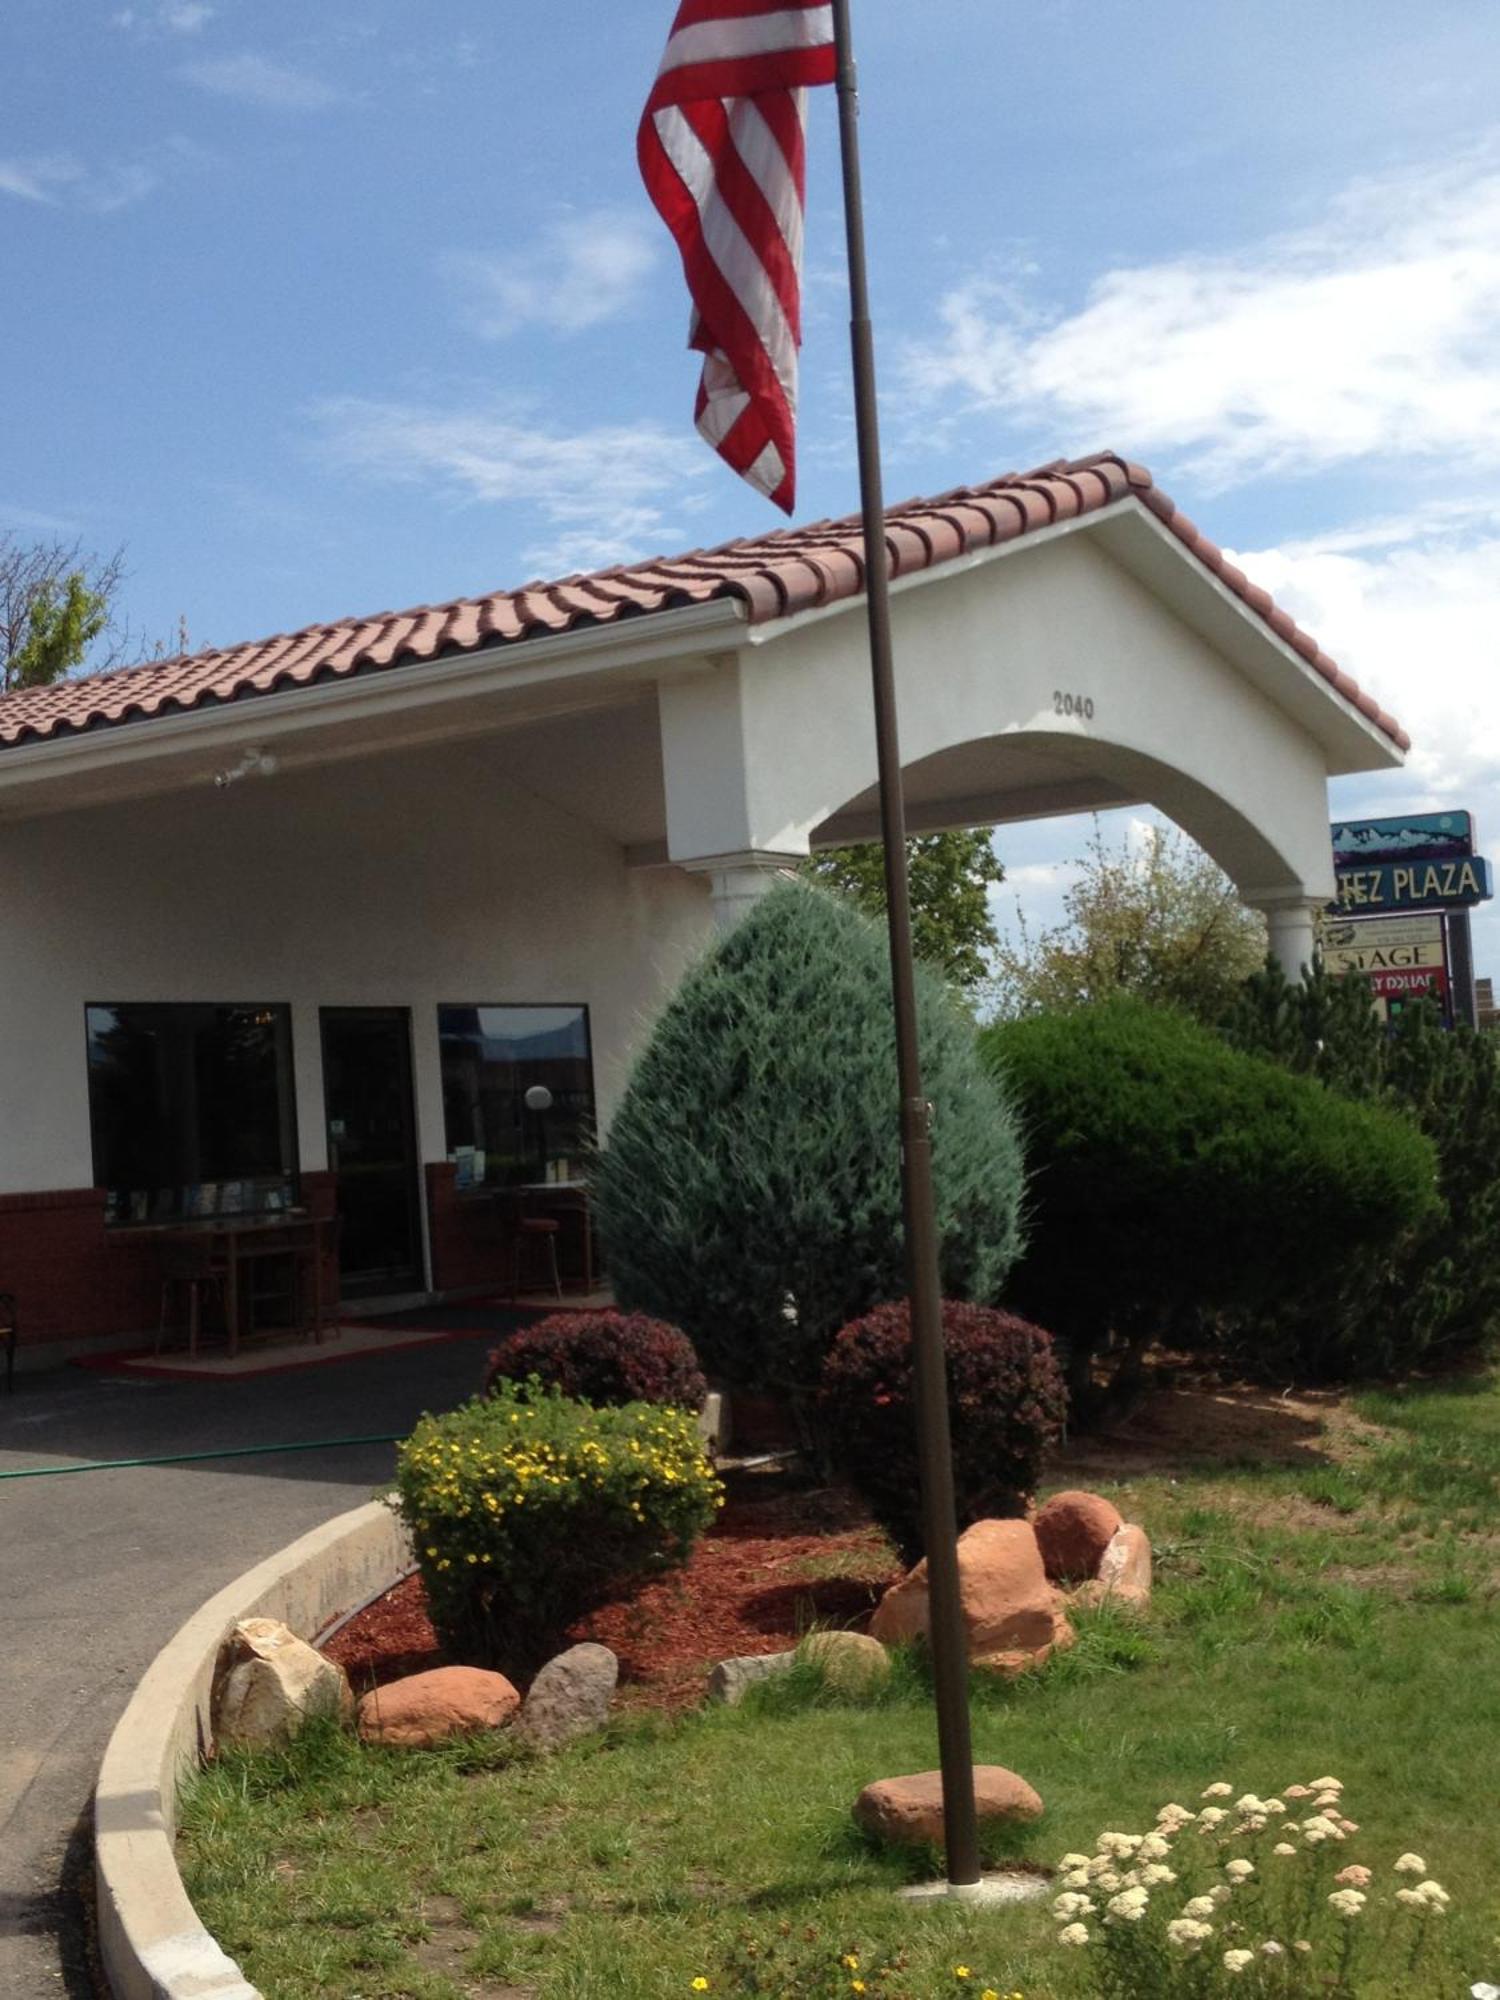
(722, 148)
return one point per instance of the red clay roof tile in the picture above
(772, 575)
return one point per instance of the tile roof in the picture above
(773, 576)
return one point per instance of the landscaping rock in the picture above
(730, 1679)
(423, 1709)
(276, 1682)
(1124, 1571)
(908, 1812)
(851, 1662)
(1073, 1530)
(570, 1697)
(1012, 1616)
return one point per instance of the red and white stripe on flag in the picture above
(723, 154)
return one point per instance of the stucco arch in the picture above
(1043, 774)
(1049, 679)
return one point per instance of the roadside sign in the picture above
(1399, 958)
(1380, 888)
(1444, 836)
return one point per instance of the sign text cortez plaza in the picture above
(1414, 885)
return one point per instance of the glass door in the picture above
(372, 1147)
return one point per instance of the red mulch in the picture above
(752, 1586)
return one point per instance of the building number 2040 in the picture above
(1073, 704)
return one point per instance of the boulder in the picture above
(908, 1812)
(1073, 1530)
(732, 1679)
(569, 1697)
(1124, 1575)
(851, 1662)
(1013, 1618)
(423, 1709)
(275, 1683)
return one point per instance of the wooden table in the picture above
(240, 1240)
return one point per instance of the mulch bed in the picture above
(756, 1582)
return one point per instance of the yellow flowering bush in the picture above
(528, 1510)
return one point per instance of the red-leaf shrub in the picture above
(1006, 1404)
(603, 1357)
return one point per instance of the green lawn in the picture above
(1333, 1616)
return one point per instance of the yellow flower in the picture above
(962, 1972)
(700, 1984)
(856, 1986)
(851, 1962)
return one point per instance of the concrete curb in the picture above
(151, 1941)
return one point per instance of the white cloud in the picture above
(606, 491)
(582, 270)
(60, 180)
(1375, 332)
(1412, 609)
(171, 17)
(254, 79)
(40, 179)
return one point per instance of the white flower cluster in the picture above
(1126, 1870)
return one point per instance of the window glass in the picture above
(494, 1060)
(192, 1110)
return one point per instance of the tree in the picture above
(950, 912)
(751, 1189)
(56, 602)
(1162, 921)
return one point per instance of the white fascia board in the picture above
(1143, 544)
(633, 650)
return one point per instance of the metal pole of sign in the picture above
(1460, 955)
(939, 1518)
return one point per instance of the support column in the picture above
(1291, 922)
(738, 881)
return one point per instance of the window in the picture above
(191, 1108)
(518, 1093)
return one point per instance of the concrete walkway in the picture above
(97, 1570)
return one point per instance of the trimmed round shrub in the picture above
(528, 1510)
(1178, 1184)
(751, 1188)
(602, 1357)
(1006, 1404)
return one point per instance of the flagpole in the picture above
(950, 1663)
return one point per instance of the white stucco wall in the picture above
(761, 749)
(404, 881)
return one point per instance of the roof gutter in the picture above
(629, 651)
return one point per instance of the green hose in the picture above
(191, 1457)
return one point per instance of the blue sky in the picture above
(320, 310)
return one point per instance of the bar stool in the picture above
(534, 1230)
(10, 1334)
(189, 1269)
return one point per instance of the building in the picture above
(298, 924)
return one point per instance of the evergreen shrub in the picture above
(1434, 1297)
(1006, 1406)
(751, 1189)
(528, 1510)
(1179, 1183)
(602, 1357)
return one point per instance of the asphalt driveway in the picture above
(98, 1568)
